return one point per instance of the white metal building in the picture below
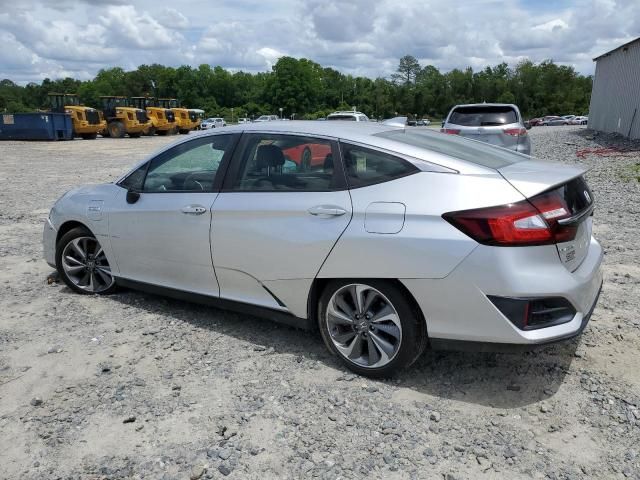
(615, 98)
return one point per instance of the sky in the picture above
(76, 38)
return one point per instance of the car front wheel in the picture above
(82, 263)
(371, 326)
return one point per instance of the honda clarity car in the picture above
(399, 239)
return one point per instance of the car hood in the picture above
(531, 177)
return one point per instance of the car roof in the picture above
(363, 133)
(486, 105)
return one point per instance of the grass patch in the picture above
(632, 173)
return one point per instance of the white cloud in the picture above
(364, 37)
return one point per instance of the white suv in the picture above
(350, 116)
(267, 118)
(213, 123)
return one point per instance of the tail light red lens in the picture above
(450, 131)
(515, 132)
(525, 223)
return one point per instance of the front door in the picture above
(160, 233)
(283, 207)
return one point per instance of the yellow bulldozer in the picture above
(186, 119)
(123, 118)
(163, 120)
(86, 121)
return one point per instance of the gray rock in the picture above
(224, 470)
(36, 401)
(197, 472)
(129, 419)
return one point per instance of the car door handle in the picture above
(193, 209)
(327, 210)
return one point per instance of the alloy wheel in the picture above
(363, 325)
(86, 265)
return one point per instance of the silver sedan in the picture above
(387, 239)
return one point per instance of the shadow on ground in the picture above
(487, 379)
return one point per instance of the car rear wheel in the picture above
(82, 263)
(371, 326)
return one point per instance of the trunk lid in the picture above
(532, 177)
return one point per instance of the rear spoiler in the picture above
(396, 122)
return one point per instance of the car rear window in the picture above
(472, 151)
(484, 116)
(342, 117)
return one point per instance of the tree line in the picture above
(306, 90)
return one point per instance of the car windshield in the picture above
(483, 116)
(479, 153)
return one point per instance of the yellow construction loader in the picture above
(163, 120)
(86, 121)
(186, 119)
(123, 118)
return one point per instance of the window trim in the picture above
(237, 163)
(218, 176)
(413, 168)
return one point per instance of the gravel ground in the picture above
(137, 386)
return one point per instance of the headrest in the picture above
(269, 156)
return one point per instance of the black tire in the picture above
(89, 136)
(135, 135)
(73, 234)
(162, 133)
(183, 131)
(150, 132)
(116, 130)
(413, 337)
(305, 159)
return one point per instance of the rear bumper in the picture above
(467, 346)
(456, 308)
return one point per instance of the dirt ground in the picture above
(137, 386)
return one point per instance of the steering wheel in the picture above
(191, 180)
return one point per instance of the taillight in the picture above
(525, 223)
(450, 131)
(515, 132)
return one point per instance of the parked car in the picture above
(534, 122)
(309, 156)
(579, 120)
(495, 123)
(244, 120)
(350, 116)
(267, 118)
(215, 122)
(552, 120)
(404, 237)
(423, 122)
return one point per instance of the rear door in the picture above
(494, 124)
(277, 219)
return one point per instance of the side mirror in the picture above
(442, 124)
(527, 125)
(132, 196)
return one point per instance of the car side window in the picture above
(188, 167)
(365, 166)
(286, 162)
(135, 179)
